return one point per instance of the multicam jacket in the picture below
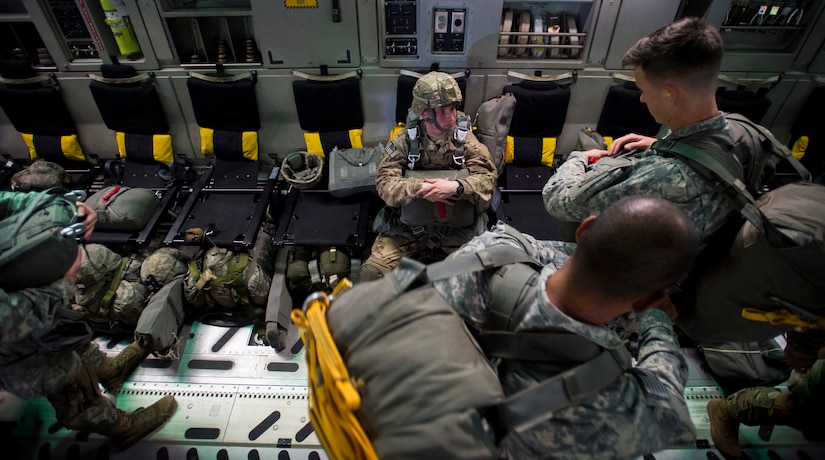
(578, 190)
(397, 190)
(623, 421)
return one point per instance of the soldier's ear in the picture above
(584, 226)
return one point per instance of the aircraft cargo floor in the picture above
(240, 399)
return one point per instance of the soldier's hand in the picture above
(87, 217)
(593, 155)
(435, 190)
(630, 142)
(71, 274)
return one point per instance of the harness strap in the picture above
(537, 403)
(115, 282)
(546, 346)
(495, 256)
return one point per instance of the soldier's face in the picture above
(444, 119)
(653, 95)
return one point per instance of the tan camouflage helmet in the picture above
(435, 89)
(163, 265)
(302, 169)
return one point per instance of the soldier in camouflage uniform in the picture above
(436, 96)
(676, 68)
(68, 378)
(625, 260)
(800, 408)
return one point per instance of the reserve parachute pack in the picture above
(38, 242)
(763, 276)
(420, 212)
(123, 208)
(395, 373)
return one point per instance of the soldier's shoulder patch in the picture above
(390, 148)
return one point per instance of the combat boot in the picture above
(724, 428)
(114, 371)
(131, 427)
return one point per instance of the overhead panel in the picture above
(307, 33)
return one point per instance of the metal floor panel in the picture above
(240, 399)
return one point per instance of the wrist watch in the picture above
(460, 190)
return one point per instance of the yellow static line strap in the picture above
(333, 397)
(782, 317)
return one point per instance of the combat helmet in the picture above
(162, 266)
(435, 89)
(302, 169)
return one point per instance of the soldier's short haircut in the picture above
(689, 50)
(637, 246)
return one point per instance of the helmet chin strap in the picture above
(433, 120)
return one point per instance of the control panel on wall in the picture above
(69, 16)
(448, 30)
(400, 19)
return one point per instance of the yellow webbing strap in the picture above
(333, 398)
(782, 317)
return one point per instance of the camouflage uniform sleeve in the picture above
(27, 310)
(390, 183)
(577, 191)
(479, 187)
(812, 387)
(659, 351)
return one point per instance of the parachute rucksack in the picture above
(767, 275)
(37, 243)
(218, 278)
(395, 373)
(492, 124)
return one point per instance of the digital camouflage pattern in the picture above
(162, 266)
(434, 89)
(218, 278)
(131, 295)
(622, 421)
(577, 191)
(29, 373)
(97, 270)
(40, 175)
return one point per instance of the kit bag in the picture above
(421, 212)
(123, 208)
(769, 276)
(492, 124)
(37, 243)
(159, 323)
(371, 397)
(353, 170)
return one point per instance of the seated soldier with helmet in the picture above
(437, 181)
(40, 357)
